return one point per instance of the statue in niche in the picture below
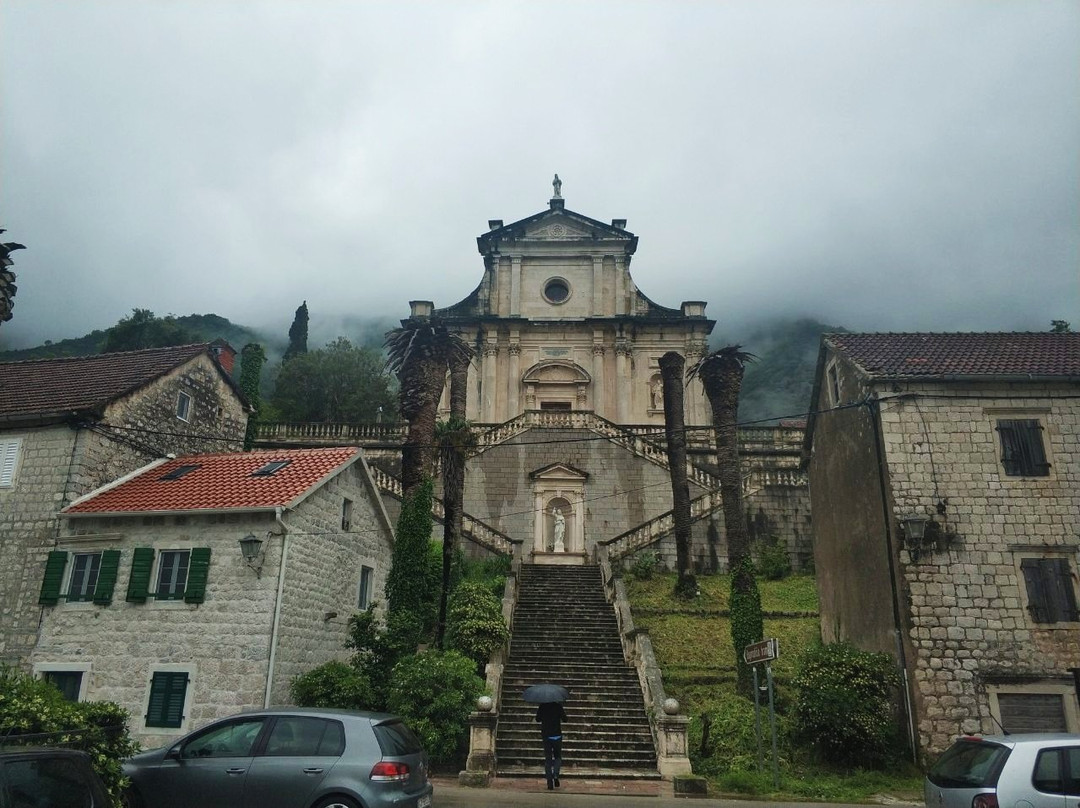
(656, 393)
(560, 530)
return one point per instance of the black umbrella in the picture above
(545, 693)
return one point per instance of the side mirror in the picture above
(173, 754)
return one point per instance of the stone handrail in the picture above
(669, 729)
(656, 528)
(471, 528)
(348, 433)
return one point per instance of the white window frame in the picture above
(159, 557)
(346, 514)
(85, 668)
(184, 403)
(69, 575)
(832, 382)
(191, 669)
(1066, 691)
(360, 586)
(10, 454)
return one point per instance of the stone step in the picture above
(509, 760)
(569, 770)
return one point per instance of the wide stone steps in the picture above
(565, 632)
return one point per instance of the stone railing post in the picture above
(480, 765)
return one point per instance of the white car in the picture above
(1037, 770)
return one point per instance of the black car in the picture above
(49, 778)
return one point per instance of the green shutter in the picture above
(198, 569)
(54, 578)
(139, 582)
(166, 705)
(106, 582)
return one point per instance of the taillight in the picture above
(386, 770)
(985, 801)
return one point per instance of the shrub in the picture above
(408, 586)
(334, 684)
(435, 692)
(475, 625)
(30, 706)
(773, 561)
(844, 704)
(644, 565)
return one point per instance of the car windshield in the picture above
(396, 739)
(969, 764)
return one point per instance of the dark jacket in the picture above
(550, 716)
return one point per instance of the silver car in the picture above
(1037, 770)
(286, 758)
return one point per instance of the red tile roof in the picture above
(1037, 354)
(42, 387)
(221, 481)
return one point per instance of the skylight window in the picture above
(178, 472)
(271, 468)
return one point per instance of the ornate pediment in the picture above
(559, 471)
(556, 371)
(560, 228)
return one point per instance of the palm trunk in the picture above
(671, 371)
(418, 451)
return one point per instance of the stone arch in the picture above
(556, 384)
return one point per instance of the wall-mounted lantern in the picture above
(251, 548)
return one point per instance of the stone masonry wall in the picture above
(968, 619)
(323, 575)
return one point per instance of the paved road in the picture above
(452, 796)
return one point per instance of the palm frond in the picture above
(728, 356)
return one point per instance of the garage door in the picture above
(1032, 712)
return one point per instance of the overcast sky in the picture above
(893, 165)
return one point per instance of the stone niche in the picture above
(559, 496)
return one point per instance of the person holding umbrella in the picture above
(549, 715)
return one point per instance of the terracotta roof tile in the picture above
(78, 383)
(219, 482)
(1042, 354)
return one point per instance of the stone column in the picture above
(620, 285)
(513, 381)
(578, 543)
(697, 409)
(515, 286)
(598, 379)
(624, 352)
(540, 523)
(480, 764)
(490, 394)
(598, 286)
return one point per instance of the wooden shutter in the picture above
(9, 451)
(106, 582)
(139, 583)
(1060, 585)
(1037, 595)
(1031, 443)
(1011, 450)
(54, 578)
(167, 694)
(198, 570)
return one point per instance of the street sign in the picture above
(764, 651)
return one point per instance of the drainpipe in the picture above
(277, 606)
(873, 408)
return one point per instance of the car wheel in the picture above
(336, 802)
(131, 799)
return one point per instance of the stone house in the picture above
(200, 586)
(72, 424)
(945, 487)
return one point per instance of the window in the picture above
(1022, 452)
(1049, 586)
(834, 384)
(69, 683)
(183, 406)
(172, 574)
(367, 584)
(346, 514)
(1033, 712)
(270, 468)
(299, 736)
(1049, 772)
(56, 780)
(557, 290)
(178, 472)
(84, 576)
(234, 739)
(9, 454)
(168, 692)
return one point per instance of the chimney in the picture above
(421, 309)
(618, 224)
(225, 355)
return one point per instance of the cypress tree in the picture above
(251, 363)
(297, 333)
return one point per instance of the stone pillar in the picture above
(513, 381)
(620, 285)
(598, 379)
(697, 406)
(480, 765)
(672, 751)
(515, 286)
(624, 353)
(539, 523)
(490, 394)
(598, 286)
(577, 543)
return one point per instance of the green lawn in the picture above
(692, 641)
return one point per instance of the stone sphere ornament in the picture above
(671, 706)
(484, 704)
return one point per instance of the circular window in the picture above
(556, 290)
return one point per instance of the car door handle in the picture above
(312, 771)
(235, 771)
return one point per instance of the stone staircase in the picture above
(564, 631)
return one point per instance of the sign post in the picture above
(756, 654)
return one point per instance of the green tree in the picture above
(7, 279)
(407, 581)
(252, 358)
(298, 333)
(143, 329)
(340, 382)
(1056, 326)
(671, 374)
(721, 374)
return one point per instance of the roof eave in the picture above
(974, 377)
(176, 512)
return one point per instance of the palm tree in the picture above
(456, 442)
(419, 353)
(721, 373)
(671, 374)
(7, 279)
